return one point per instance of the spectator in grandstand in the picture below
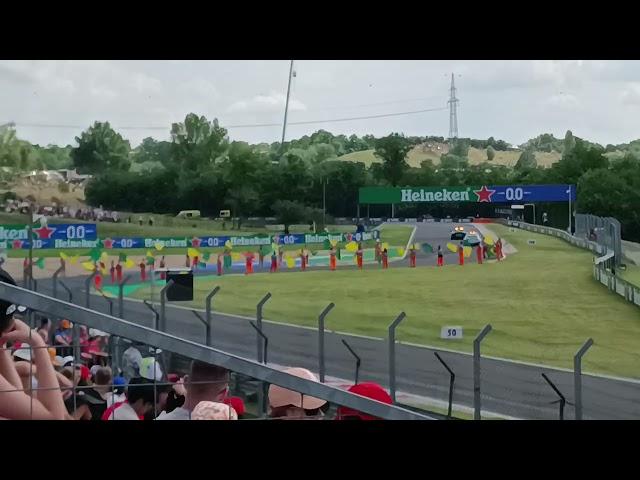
(205, 382)
(62, 338)
(213, 411)
(117, 395)
(140, 400)
(16, 404)
(151, 370)
(43, 329)
(131, 359)
(288, 404)
(365, 389)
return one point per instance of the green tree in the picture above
(101, 149)
(569, 142)
(289, 212)
(152, 152)
(197, 143)
(526, 160)
(491, 153)
(392, 150)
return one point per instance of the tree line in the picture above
(201, 168)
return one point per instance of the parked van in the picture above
(189, 214)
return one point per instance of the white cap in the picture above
(23, 353)
(68, 360)
(150, 369)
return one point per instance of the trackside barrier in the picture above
(604, 268)
(196, 351)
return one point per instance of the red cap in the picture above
(369, 390)
(236, 402)
(85, 373)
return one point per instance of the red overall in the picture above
(195, 262)
(499, 250)
(97, 280)
(112, 271)
(119, 272)
(440, 259)
(303, 261)
(479, 254)
(143, 271)
(412, 258)
(274, 264)
(249, 265)
(163, 275)
(460, 256)
(385, 260)
(332, 259)
(359, 258)
(219, 265)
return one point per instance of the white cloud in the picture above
(631, 94)
(273, 102)
(563, 100)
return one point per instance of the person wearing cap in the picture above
(366, 389)
(62, 338)
(287, 404)
(151, 370)
(131, 359)
(15, 403)
(205, 382)
(117, 395)
(140, 400)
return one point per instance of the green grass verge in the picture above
(542, 302)
(631, 274)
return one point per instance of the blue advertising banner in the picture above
(484, 193)
(62, 235)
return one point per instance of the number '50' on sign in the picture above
(451, 333)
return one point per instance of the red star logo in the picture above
(348, 236)
(44, 232)
(484, 194)
(276, 239)
(107, 243)
(16, 244)
(195, 242)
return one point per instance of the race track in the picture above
(508, 388)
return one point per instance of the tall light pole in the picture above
(286, 106)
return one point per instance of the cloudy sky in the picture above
(51, 102)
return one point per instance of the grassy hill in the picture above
(476, 156)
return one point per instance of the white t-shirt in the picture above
(124, 412)
(179, 413)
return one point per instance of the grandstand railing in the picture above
(196, 351)
(604, 265)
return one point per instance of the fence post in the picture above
(110, 302)
(259, 323)
(323, 314)
(263, 392)
(356, 357)
(207, 326)
(452, 379)
(392, 354)
(476, 371)
(577, 376)
(562, 401)
(68, 290)
(163, 306)
(87, 289)
(155, 313)
(209, 299)
(121, 295)
(54, 279)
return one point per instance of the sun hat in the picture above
(280, 397)
(23, 353)
(366, 389)
(213, 411)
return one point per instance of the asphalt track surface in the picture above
(508, 388)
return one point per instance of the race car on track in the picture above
(458, 233)
(472, 238)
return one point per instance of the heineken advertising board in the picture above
(485, 193)
(236, 241)
(85, 236)
(63, 235)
